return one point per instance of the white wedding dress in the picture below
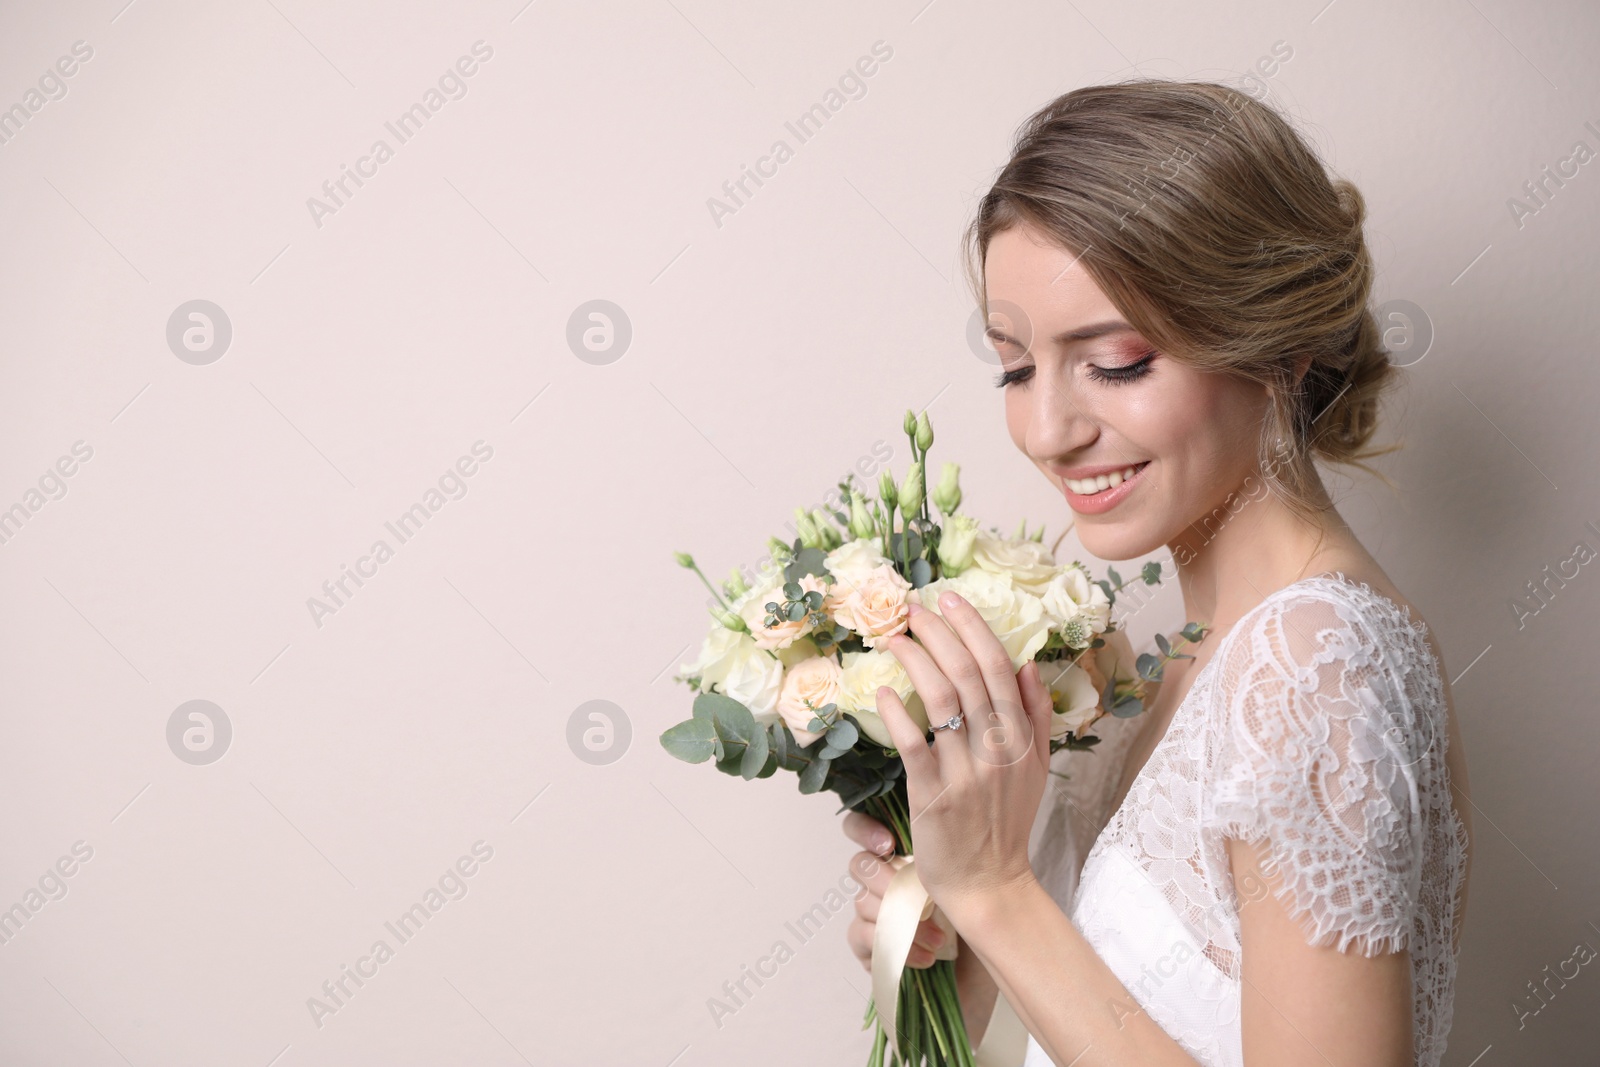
(1320, 724)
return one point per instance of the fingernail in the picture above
(949, 600)
(914, 609)
(884, 846)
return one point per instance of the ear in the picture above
(1301, 365)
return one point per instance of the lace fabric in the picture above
(1318, 727)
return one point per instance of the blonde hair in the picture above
(1216, 230)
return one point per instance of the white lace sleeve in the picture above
(1314, 748)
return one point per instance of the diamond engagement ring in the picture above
(954, 722)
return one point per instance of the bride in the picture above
(1279, 874)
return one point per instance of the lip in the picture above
(1101, 502)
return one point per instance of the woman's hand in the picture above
(975, 791)
(870, 869)
(975, 987)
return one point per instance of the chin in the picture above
(1114, 542)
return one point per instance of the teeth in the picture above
(1090, 486)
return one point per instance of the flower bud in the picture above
(684, 559)
(924, 432)
(736, 586)
(779, 548)
(911, 489)
(910, 423)
(825, 527)
(861, 524)
(957, 539)
(886, 490)
(947, 495)
(730, 619)
(810, 537)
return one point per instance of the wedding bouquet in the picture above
(786, 680)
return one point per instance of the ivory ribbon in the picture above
(905, 904)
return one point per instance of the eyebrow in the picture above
(1083, 333)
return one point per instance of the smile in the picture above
(1092, 486)
(1091, 496)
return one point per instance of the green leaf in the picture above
(732, 719)
(816, 725)
(1127, 707)
(796, 612)
(1151, 573)
(1111, 572)
(1149, 667)
(771, 767)
(843, 735)
(780, 742)
(693, 740)
(814, 776)
(755, 755)
(730, 765)
(1161, 643)
(921, 573)
(791, 590)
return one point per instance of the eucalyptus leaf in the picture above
(843, 735)
(771, 766)
(1161, 643)
(1127, 707)
(1152, 573)
(921, 573)
(814, 776)
(755, 755)
(1149, 667)
(693, 740)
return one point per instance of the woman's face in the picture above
(1085, 398)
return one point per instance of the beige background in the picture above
(768, 355)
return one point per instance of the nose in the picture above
(1060, 424)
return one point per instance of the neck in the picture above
(1251, 547)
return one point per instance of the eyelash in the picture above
(1110, 375)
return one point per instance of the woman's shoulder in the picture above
(1332, 616)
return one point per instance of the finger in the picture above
(922, 769)
(859, 938)
(1040, 708)
(950, 652)
(1008, 735)
(868, 832)
(940, 699)
(872, 872)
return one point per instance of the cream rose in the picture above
(875, 606)
(807, 687)
(1017, 618)
(1028, 564)
(738, 667)
(754, 613)
(1072, 690)
(861, 675)
(852, 562)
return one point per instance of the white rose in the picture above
(874, 607)
(754, 613)
(1017, 618)
(1028, 563)
(862, 674)
(740, 669)
(1077, 703)
(1071, 596)
(852, 562)
(807, 687)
